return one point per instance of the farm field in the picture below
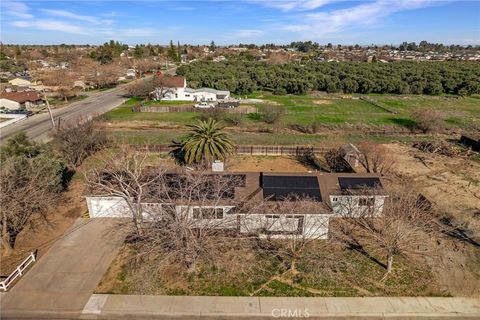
(330, 109)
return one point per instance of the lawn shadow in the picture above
(407, 123)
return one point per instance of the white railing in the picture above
(17, 272)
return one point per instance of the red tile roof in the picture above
(21, 97)
(172, 82)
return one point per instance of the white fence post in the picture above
(17, 272)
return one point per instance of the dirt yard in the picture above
(265, 164)
(322, 101)
(453, 185)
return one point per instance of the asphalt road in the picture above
(39, 127)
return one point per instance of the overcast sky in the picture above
(233, 22)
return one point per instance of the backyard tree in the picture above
(335, 159)
(375, 158)
(206, 142)
(406, 227)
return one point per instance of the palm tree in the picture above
(206, 142)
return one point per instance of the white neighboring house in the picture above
(175, 89)
(131, 74)
(20, 82)
(20, 100)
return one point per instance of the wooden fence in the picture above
(17, 272)
(247, 149)
(176, 109)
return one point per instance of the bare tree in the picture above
(428, 120)
(335, 159)
(124, 175)
(404, 225)
(29, 188)
(291, 225)
(144, 65)
(178, 218)
(106, 75)
(78, 139)
(375, 158)
(64, 92)
(194, 219)
(161, 87)
(155, 85)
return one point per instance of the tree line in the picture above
(402, 77)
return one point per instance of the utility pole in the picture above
(49, 110)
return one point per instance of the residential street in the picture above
(39, 126)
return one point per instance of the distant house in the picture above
(20, 100)
(131, 74)
(175, 89)
(79, 84)
(335, 196)
(21, 82)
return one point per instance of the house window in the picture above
(187, 95)
(208, 213)
(283, 225)
(335, 199)
(176, 95)
(366, 201)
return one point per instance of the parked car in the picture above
(20, 111)
(204, 105)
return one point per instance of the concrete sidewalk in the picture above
(184, 307)
(62, 281)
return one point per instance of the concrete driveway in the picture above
(63, 280)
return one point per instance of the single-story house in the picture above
(131, 74)
(20, 100)
(334, 195)
(178, 91)
(79, 84)
(21, 82)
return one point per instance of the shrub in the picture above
(428, 120)
(254, 116)
(214, 113)
(234, 119)
(271, 114)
